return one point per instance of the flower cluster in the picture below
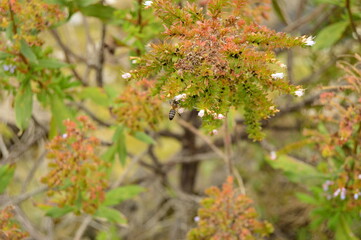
(9, 229)
(338, 137)
(78, 176)
(219, 58)
(27, 19)
(229, 216)
(136, 108)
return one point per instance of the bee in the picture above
(175, 105)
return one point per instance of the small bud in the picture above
(64, 135)
(180, 97)
(299, 92)
(277, 76)
(197, 218)
(308, 41)
(273, 155)
(220, 116)
(148, 3)
(126, 75)
(201, 113)
(214, 131)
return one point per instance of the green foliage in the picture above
(226, 214)
(23, 104)
(217, 61)
(330, 35)
(6, 175)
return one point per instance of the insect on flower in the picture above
(175, 108)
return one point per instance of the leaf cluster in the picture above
(218, 59)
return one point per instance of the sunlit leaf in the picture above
(6, 174)
(28, 52)
(23, 105)
(111, 215)
(118, 195)
(142, 136)
(57, 212)
(330, 35)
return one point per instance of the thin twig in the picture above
(23, 197)
(82, 227)
(101, 57)
(353, 25)
(305, 19)
(32, 171)
(204, 138)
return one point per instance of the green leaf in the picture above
(51, 63)
(4, 55)
(57, 212)
(111, 215)
(294, 169)
(60, 112)
(96, 94)
(109, 155)
(330, 35)
(306, 198)
(26, 50)
(23, 105)
(142, 136)
(6, 174)
(99, 11)
(118, 195)
(343, 230)
(84, 3)
(119, 141)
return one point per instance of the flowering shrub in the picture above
(78, 176)
(9, 229)
(137, 108)
(227, 215)
(219, 59)
(337, 140)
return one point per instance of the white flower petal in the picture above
(300, 92)
(277, 75)
(126, 75)
(201, 113)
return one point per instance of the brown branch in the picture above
(101, 57)
(68, 52)
(305, 19)
(353, 25)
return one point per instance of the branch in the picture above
(101, 57)
(353, 25)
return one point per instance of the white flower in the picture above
(126, 75)
(277, 75)
(180, 97)
(220, 116)
(201, 113)
(359, 176)
(180, 110)
(197, 218)
(64, 135)
(148, 3)
(337, 192)
(308, 41)
(214, 131)
(273, 155)
(355, 196)
(343, 194)
(134, 61)
(283, 65)
(299, 92)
